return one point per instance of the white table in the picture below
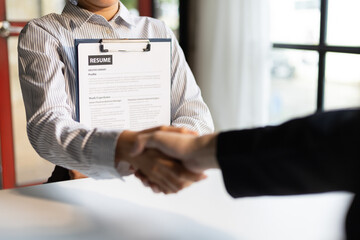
(112, 209)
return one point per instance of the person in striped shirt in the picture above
(48, 81)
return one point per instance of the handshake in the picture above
(167, 158)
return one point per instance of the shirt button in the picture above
(108, 31)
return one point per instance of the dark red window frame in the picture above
(146, 8)
(6, 134)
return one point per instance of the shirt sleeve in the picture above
(51, 127)
(188, 109)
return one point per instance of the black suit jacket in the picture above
(318, 153)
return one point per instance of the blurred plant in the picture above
(130, 4)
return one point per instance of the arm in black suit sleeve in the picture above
(318, 153)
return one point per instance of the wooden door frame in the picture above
(6, 133)
(146, 8)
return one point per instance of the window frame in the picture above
(322, 48)
(146, 8)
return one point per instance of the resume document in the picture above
(124, 87)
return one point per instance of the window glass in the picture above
(343, 22)
(168, 11)
(295, 21)
(32, 8)
(342, 86)
(293, 85)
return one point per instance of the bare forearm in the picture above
(205, 151)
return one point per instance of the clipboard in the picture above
(123, 83)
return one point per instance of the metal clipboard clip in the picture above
(105, 45)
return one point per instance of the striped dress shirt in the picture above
(48, 81)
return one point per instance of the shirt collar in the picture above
(125, 15)
(79, 15)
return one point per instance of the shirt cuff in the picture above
(103, 155)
